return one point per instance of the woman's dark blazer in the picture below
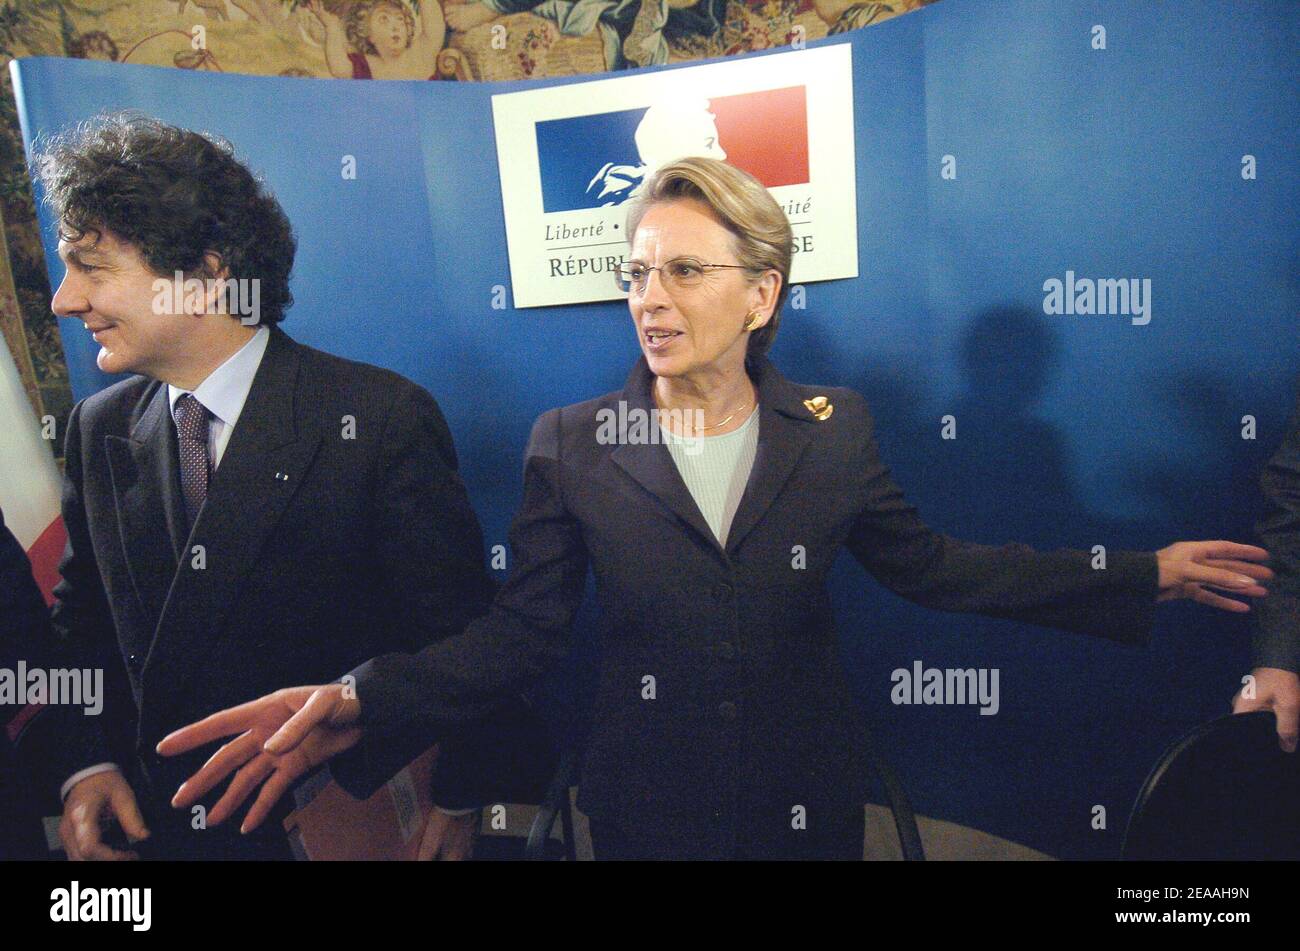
(721, 703)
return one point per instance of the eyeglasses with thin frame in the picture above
(676, 274)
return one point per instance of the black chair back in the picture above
(1225, 791)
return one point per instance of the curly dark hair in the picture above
(173, 194)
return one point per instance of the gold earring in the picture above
(751, 320)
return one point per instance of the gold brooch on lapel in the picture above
(819, 407)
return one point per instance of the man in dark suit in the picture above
(1276, 653)
(24, 634)
(246, 510)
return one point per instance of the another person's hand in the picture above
(1277, 690)
(281, 737)
(1188, 569)
(96, 798)
(448, 838)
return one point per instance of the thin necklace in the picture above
(725, 421)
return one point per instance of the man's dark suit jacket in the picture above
(751, 715)
(312, 552)
(24, 636)
(1277, 632)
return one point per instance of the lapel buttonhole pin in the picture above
(820, 407)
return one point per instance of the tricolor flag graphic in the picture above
(29, 479)
(597, 160)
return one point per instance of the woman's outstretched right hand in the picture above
(281, 737)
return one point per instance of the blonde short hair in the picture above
(761, 233)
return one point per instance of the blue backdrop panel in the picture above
(1072, 430)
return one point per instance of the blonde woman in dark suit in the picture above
(723, 726)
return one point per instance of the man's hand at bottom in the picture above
(1277, 690)
(97, 798)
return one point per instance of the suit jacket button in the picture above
(134, 662)
(722, 593)
(726, 650)
(727, 710)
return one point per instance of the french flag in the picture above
(29, 480)
(598, 160)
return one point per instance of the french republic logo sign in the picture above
(572, 156)
(737, 129)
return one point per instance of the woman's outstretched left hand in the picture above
(1190, 569)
